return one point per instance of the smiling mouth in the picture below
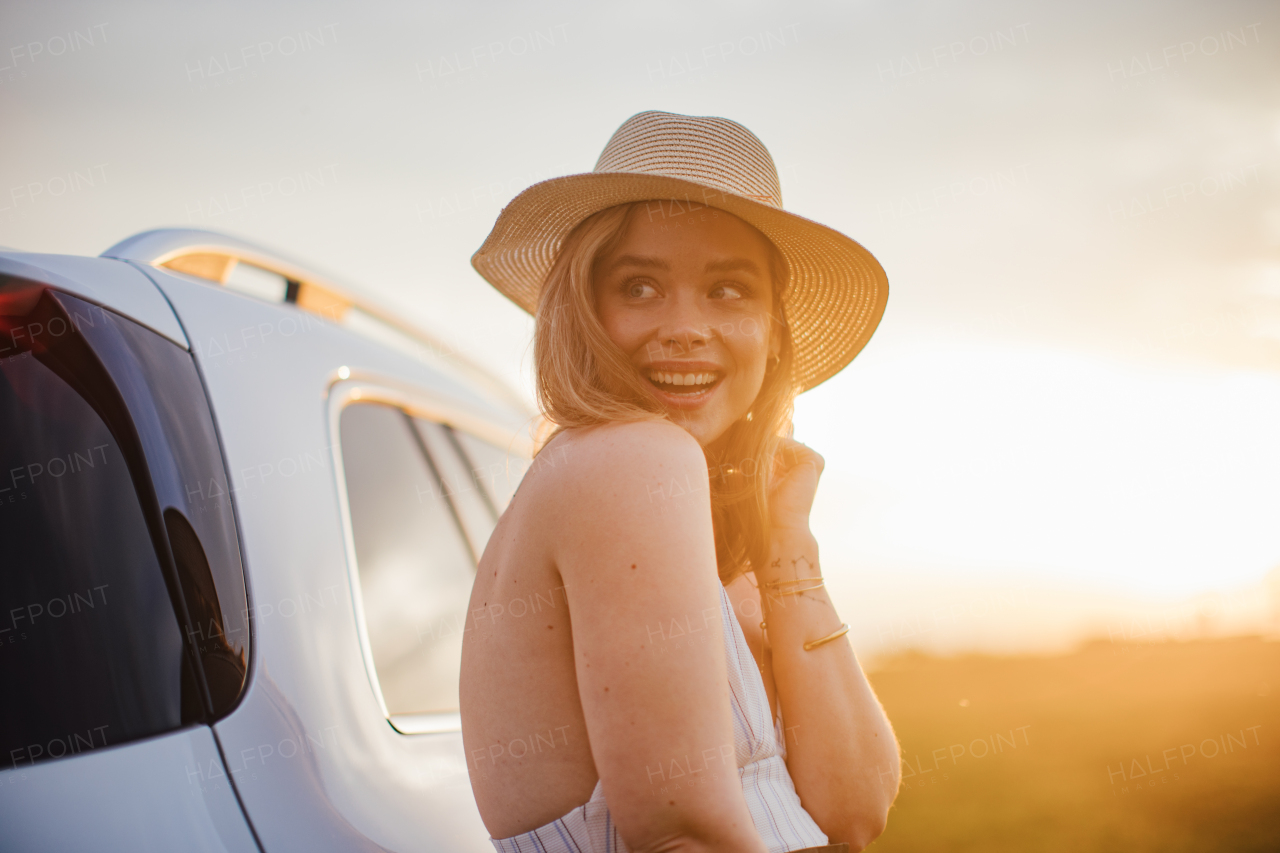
(683, 384)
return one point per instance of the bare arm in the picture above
(636, 554)
(841, 751)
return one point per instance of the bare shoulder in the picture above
(619, 487)
(610, 460)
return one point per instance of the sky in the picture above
(1065, 425)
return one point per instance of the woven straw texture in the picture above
(837, 290)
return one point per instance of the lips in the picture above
(683, 385)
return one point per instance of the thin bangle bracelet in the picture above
(799, 590)
(793, 580)
(834, 635)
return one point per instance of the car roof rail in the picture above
(216, 257)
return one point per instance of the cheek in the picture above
(749, 342)
(616, 326)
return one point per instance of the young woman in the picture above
(678, 678)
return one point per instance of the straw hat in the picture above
(837, 290)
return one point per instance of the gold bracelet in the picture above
(799, 590)
(774, 584)
(834, 635)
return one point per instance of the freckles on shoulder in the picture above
(617, 468)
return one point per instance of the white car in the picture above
(240, 513)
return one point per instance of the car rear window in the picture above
(89, 645)
(122, 602)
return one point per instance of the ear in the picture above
(775, 337)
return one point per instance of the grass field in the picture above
(1165, 747)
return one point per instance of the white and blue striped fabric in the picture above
(760, 752)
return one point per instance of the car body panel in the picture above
(161, 794)
(352, 781)
(110, 283)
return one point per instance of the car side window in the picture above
(415, 567)
(476, 512)
(496, 470)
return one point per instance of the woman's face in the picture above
(689, 299)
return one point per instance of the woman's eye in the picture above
(727, 291)
(639, 290)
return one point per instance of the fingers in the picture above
(792, 454)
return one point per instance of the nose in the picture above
(682, 327)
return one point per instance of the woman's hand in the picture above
(841, 751)
(796, 469)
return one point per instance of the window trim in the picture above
(416, 403)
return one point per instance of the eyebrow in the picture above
(639, 261)
(734, 265)
(727, 265)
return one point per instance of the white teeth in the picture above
(685, 379)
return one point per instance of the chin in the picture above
(706, 434)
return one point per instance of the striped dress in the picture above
(760, 751)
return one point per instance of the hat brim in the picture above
(833, 303)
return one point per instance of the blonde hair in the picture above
(584, 379)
